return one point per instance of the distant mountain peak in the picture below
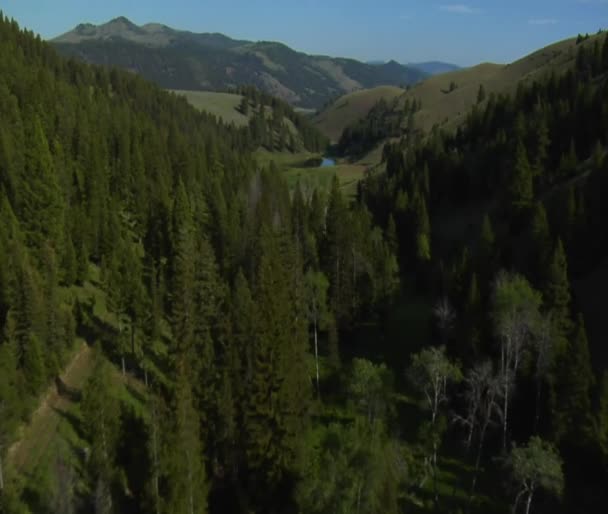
(179, 59)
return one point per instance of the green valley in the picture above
(215, 299)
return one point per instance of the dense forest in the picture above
(269, 123)
(385, 120)
(271, 342)
(498, 220)
(116, 193)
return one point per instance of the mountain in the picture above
(182, 60)
(434, 67)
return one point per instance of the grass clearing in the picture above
(52, 438)
(321, 178)
(222, 105)
(352, 107)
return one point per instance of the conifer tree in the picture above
(279, 390)
(42, 202)
(423, 229)
(335, 253)
(101, 426)
(572, 394)
(557, 291)
(185, 470)
(183, 274)
(540, 243)
(520, 187)
(487, 241)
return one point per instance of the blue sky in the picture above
(457, 31)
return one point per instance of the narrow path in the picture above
(35, 437)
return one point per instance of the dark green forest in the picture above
(292, 351)
(267, 126)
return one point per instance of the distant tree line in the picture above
(270, 120)
(385, 120)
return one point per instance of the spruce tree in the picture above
(556, 292)
(186, 478)
(520, 187)
(101, 427)
(42, 209)
(540, 244)
(572, 395)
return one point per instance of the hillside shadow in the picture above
(73, 420)
(66, 391)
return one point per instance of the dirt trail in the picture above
(35, 437)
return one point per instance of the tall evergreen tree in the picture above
(186, 476)
(557, 291)
(521, 187)
(572, 395)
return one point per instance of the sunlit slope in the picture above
(352, 107)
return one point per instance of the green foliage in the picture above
(521, 188)
(370, 389)
(557, 290)
(572, 397)
(349, 471)
(383, 121)
(185, 467)
(431, 371)
(536, 466)
(100, 420)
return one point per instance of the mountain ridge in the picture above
(184, 60)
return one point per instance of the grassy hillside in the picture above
(352, 107)
(443, 106)
(448, 109)
(222, 105)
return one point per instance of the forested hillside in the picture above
(146, 229)
(501, 220)
(243, 348)
(273, 124)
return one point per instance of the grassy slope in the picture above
(53, 433)
(222, 105)
(448, 109)
(352, 107)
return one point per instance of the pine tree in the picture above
(556, 291)
(183, 278)
(335, 253)
(101, 427)
(279, 390)
(185, 471)
(540, 244)
(423, 229)
(572, 394)
(487, 242)
(520, 187)
(42, 209)
(481, 94)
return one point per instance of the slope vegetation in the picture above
(352, 107)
